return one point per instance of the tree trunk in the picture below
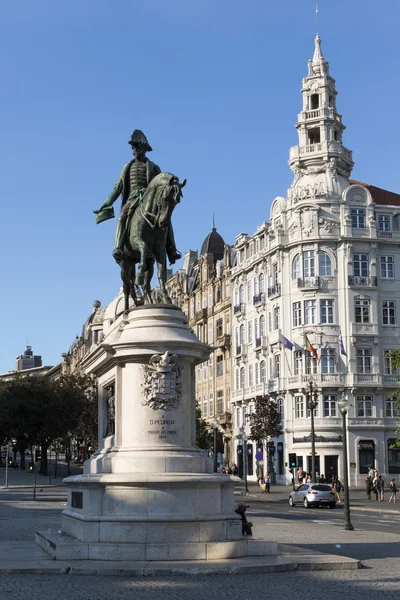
(43, 460)
(22, 465)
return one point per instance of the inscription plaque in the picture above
(77, 499)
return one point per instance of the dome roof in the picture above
(213, 244)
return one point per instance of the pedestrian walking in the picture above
(380, 485)
(267, 483)
(300, 475)
(393, 490)
(368, 486)
(337, 488)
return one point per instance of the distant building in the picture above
(27, 360)
(202, 290)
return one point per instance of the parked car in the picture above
(313, 494)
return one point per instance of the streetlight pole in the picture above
(312, 403)
(69, 435)
(244, 441)
(215, 425)
(344, 409)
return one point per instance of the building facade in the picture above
(202, 290)
(323, 274)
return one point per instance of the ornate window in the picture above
(262, 326)
(364, 406)
(358, 218)
(362, 310)
(387, 267)
(389, 312)
(328, 358)
(263, 372)
(325, 265)
(364, 360)
(296, 273)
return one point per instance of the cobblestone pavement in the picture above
(380, 581)
(378, 548)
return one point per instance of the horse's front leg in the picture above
(126, 267)
(143, 248)
(161, 258)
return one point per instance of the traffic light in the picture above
(10, 462)
(31, 467)
(292, 460)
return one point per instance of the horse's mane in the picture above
(158, 184)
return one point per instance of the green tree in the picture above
(265, 422)
(204, 437)
(37, 410)
(394, 356)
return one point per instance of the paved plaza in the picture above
(375, 542)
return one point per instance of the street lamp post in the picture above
(344, 409)
(69, 435)
(243, 437)
(312, 403)
(215, 425)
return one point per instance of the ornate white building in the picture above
(327, 265)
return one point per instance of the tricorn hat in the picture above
(137, 138)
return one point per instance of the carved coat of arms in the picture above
(162, 382)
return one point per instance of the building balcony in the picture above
(385, 235)
(360, 281)
(274, 291)
(308, 283)
(224, 341)
(238, 309)
(391, 380)
(326, 112)
(260, 343)
(259, 299)
(364, 329)
(241, 352)
(320, 379)
(201, 315)
(333, 147)
(367, 378)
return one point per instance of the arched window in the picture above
(241, 339)
(262, 326)
(255, 286)
(242, 377)
(325, 265)
(241, 294)
(263, 372)
(261, 286)
(249, 291)
(296, 267)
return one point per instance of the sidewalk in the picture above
(25, 479)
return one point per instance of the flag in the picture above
(340, 342)
(310, 348)
(286, 343)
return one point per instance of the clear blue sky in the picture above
(215, 85)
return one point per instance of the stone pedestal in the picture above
(148, 493)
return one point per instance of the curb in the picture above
(284, 566)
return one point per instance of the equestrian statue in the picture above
(144, 232)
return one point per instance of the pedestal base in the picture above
(65, 547)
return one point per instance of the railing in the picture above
(366, 378)
(224, 340)
(360, 281)
(201, 314)
(239, 308)
(308, 282)
(258, 298)
(391, 379)
(333, 146)
(385, 234)
(275, 290)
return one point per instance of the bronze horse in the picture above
(145, 240)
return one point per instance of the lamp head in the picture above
(343, 405)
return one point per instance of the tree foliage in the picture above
(265, 421)
(395, 364)
(36, 410)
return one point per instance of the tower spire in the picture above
(319, 125)
(213, 222)
(316, 19)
